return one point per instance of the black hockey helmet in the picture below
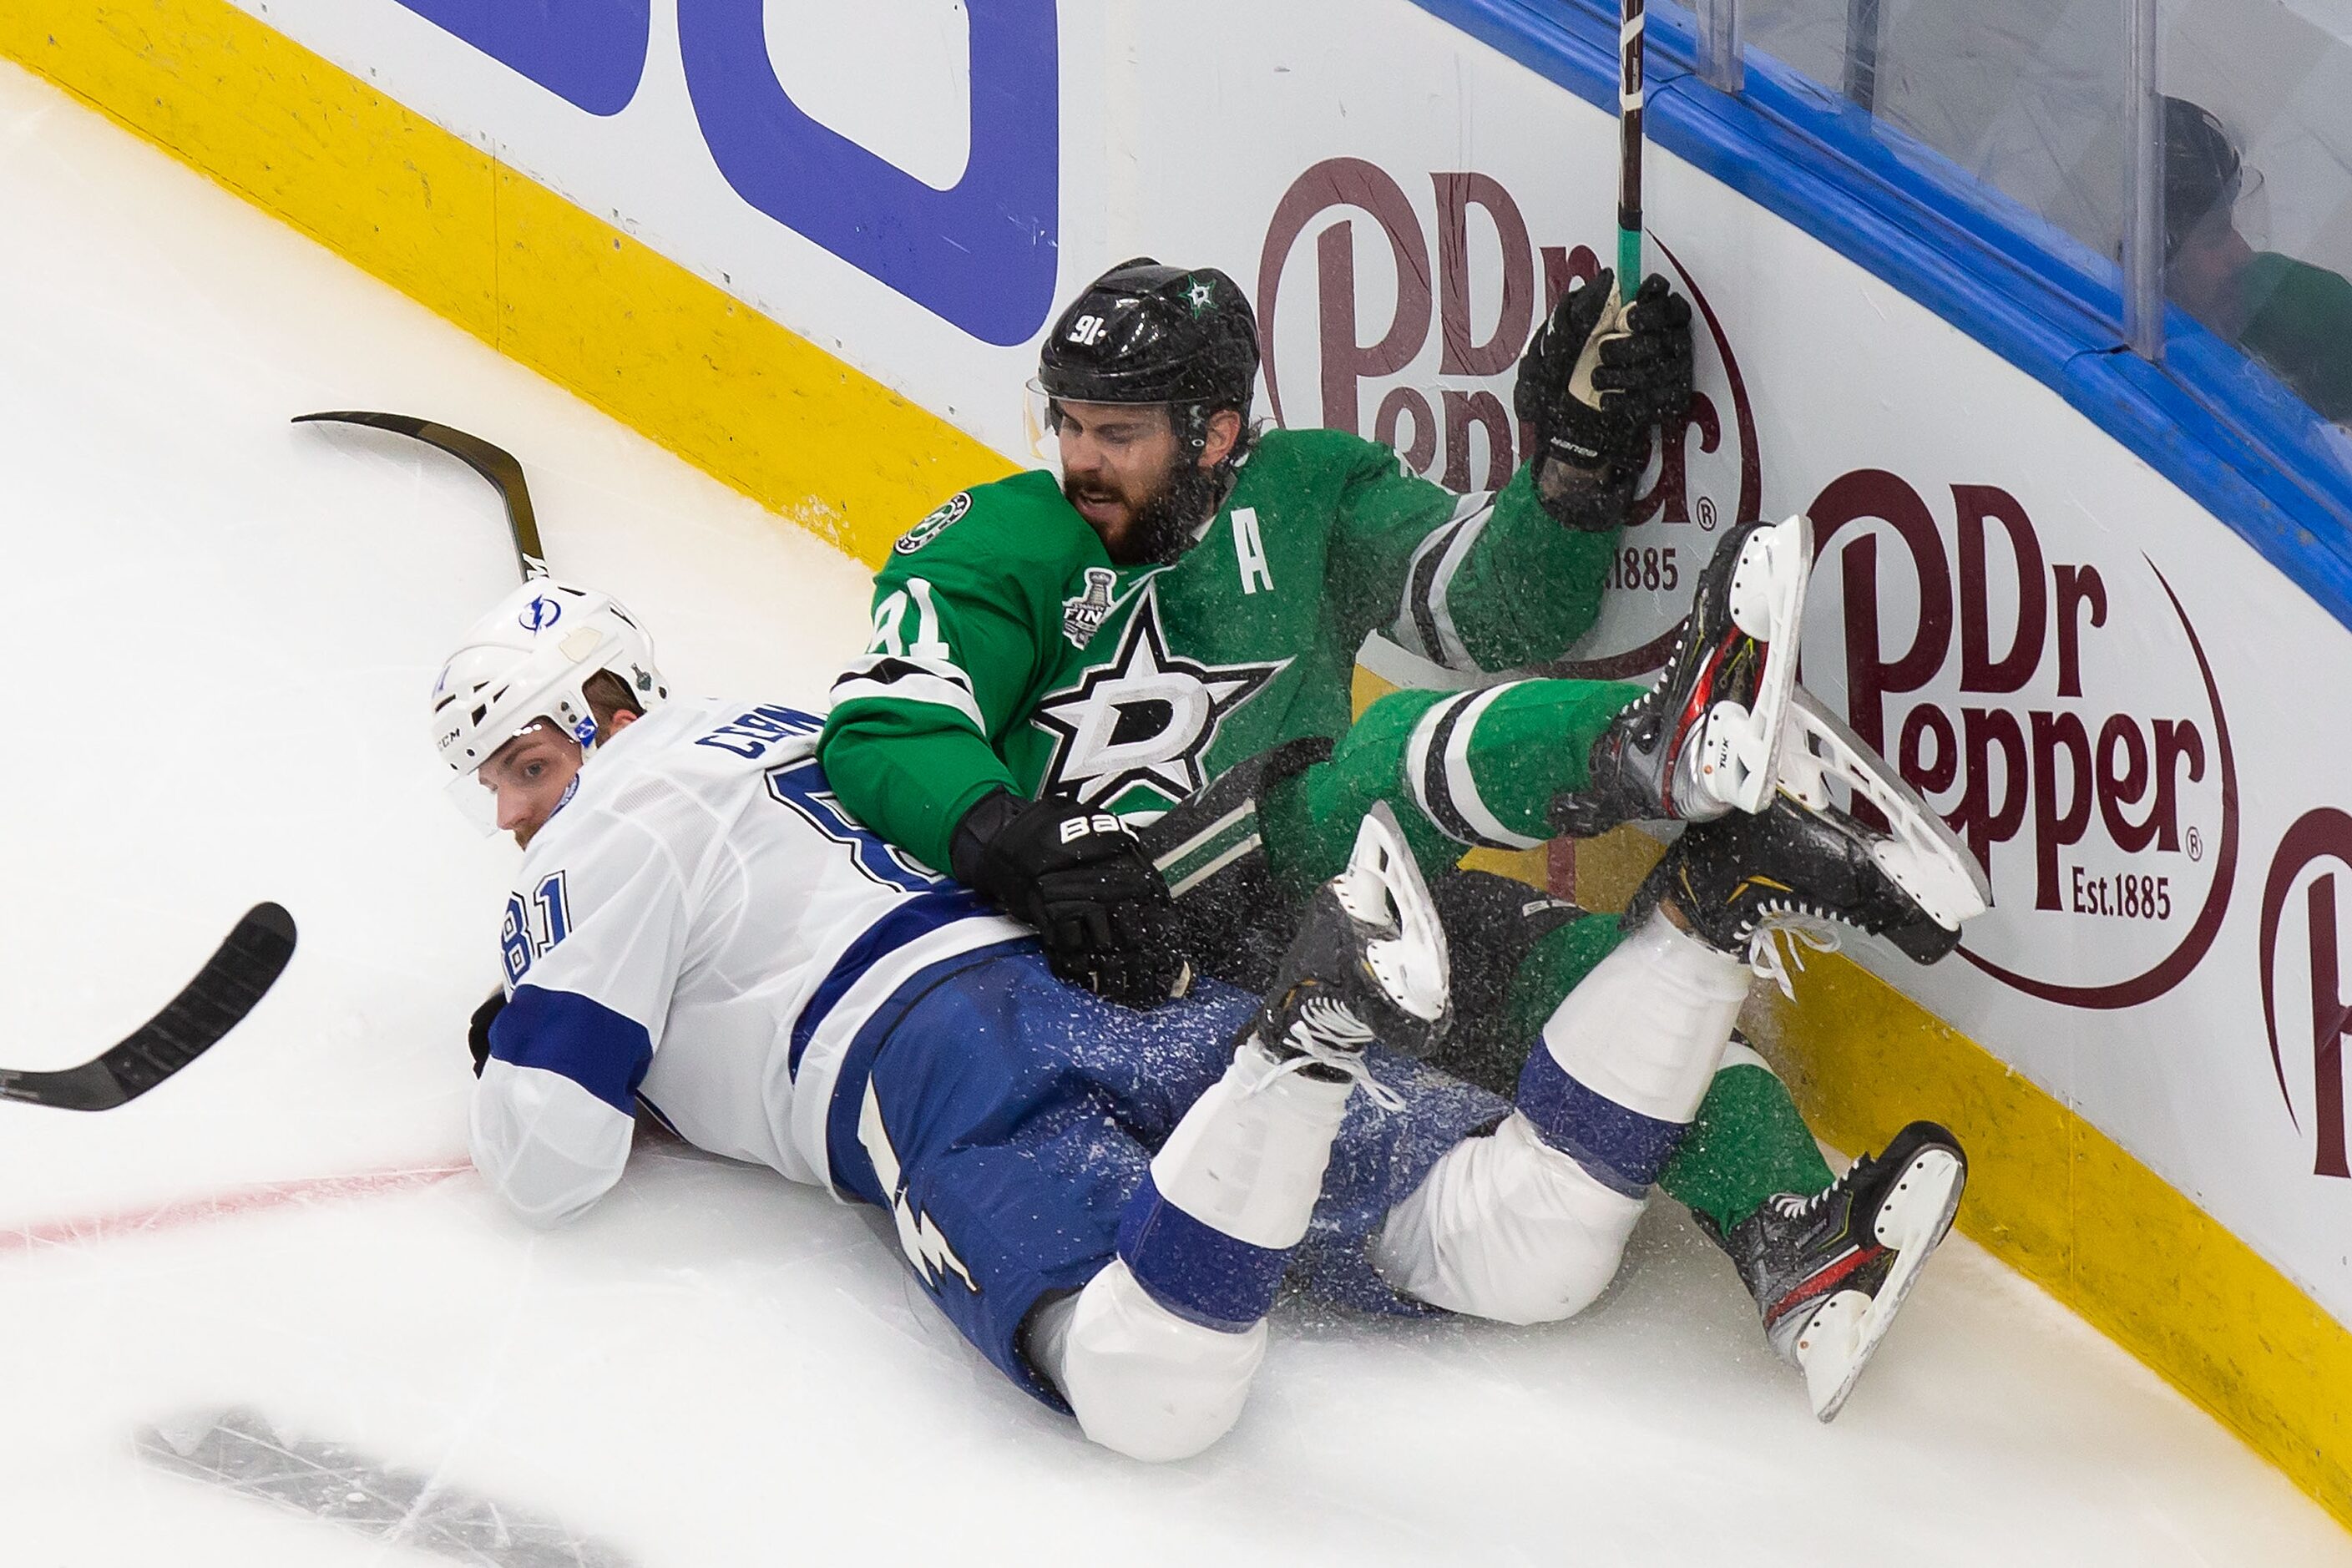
(2203, 171)
(1147, 333)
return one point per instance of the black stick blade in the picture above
(495, 464)
(231, 983)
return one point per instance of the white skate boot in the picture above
(1708, 738)
(1368, 962)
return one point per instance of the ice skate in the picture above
(1920, 852)
(1708, 738)
(1809, 868)
(1368, 962)
(1829, 1272)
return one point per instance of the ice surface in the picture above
(219, 632)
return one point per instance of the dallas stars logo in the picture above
(1146, 717)
(1201, 293)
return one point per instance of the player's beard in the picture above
(1168, 521)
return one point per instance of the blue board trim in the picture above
(2228, 437)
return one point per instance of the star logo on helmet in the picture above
(1203, 294)
(1146, 719)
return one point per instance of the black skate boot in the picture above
(1830, 1271)
(1708, 737)
(1368, 962)
(1791, 866)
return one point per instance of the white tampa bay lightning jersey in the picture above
(699, 929)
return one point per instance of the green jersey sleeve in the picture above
(2299, 322)
(1486, 581)
(957, 647)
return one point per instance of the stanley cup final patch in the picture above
(1083, 615)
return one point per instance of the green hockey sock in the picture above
(1310, 820)
(1747, 1143)
(1496, 758)
(1552, 967)
(1505, 752)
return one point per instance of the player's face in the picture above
(2203, 274)
(529, 774)
(1114, 458)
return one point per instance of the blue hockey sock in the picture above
(1626, 1057)
(1228, 1198)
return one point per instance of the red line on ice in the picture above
(86, 1229)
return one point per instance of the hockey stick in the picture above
(495, 464)
(224, 990)
(1630, 20)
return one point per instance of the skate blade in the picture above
(1911, 1224)
(1767, 602)
(1923, 856)
(1382, 885)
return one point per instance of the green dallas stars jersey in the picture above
(1009, 651)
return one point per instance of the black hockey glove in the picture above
(1593, 382)
(1081, 878)
(478, 1033)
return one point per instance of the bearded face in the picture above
(1128, 473)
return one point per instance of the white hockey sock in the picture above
(1141, 1379)
(1507, 1226)
(1230, 1193)
(1627, 1055)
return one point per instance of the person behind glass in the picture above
(2294, 317)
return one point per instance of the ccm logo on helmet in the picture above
(539, 614)
(1078, 827)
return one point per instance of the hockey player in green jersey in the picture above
(1185, 605)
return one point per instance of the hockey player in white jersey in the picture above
(1103, 1201)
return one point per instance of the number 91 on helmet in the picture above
(529, 662)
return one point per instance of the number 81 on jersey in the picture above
(532, 926)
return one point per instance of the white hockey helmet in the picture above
(528, 661)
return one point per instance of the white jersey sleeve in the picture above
(591, 945)
(700, 933)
